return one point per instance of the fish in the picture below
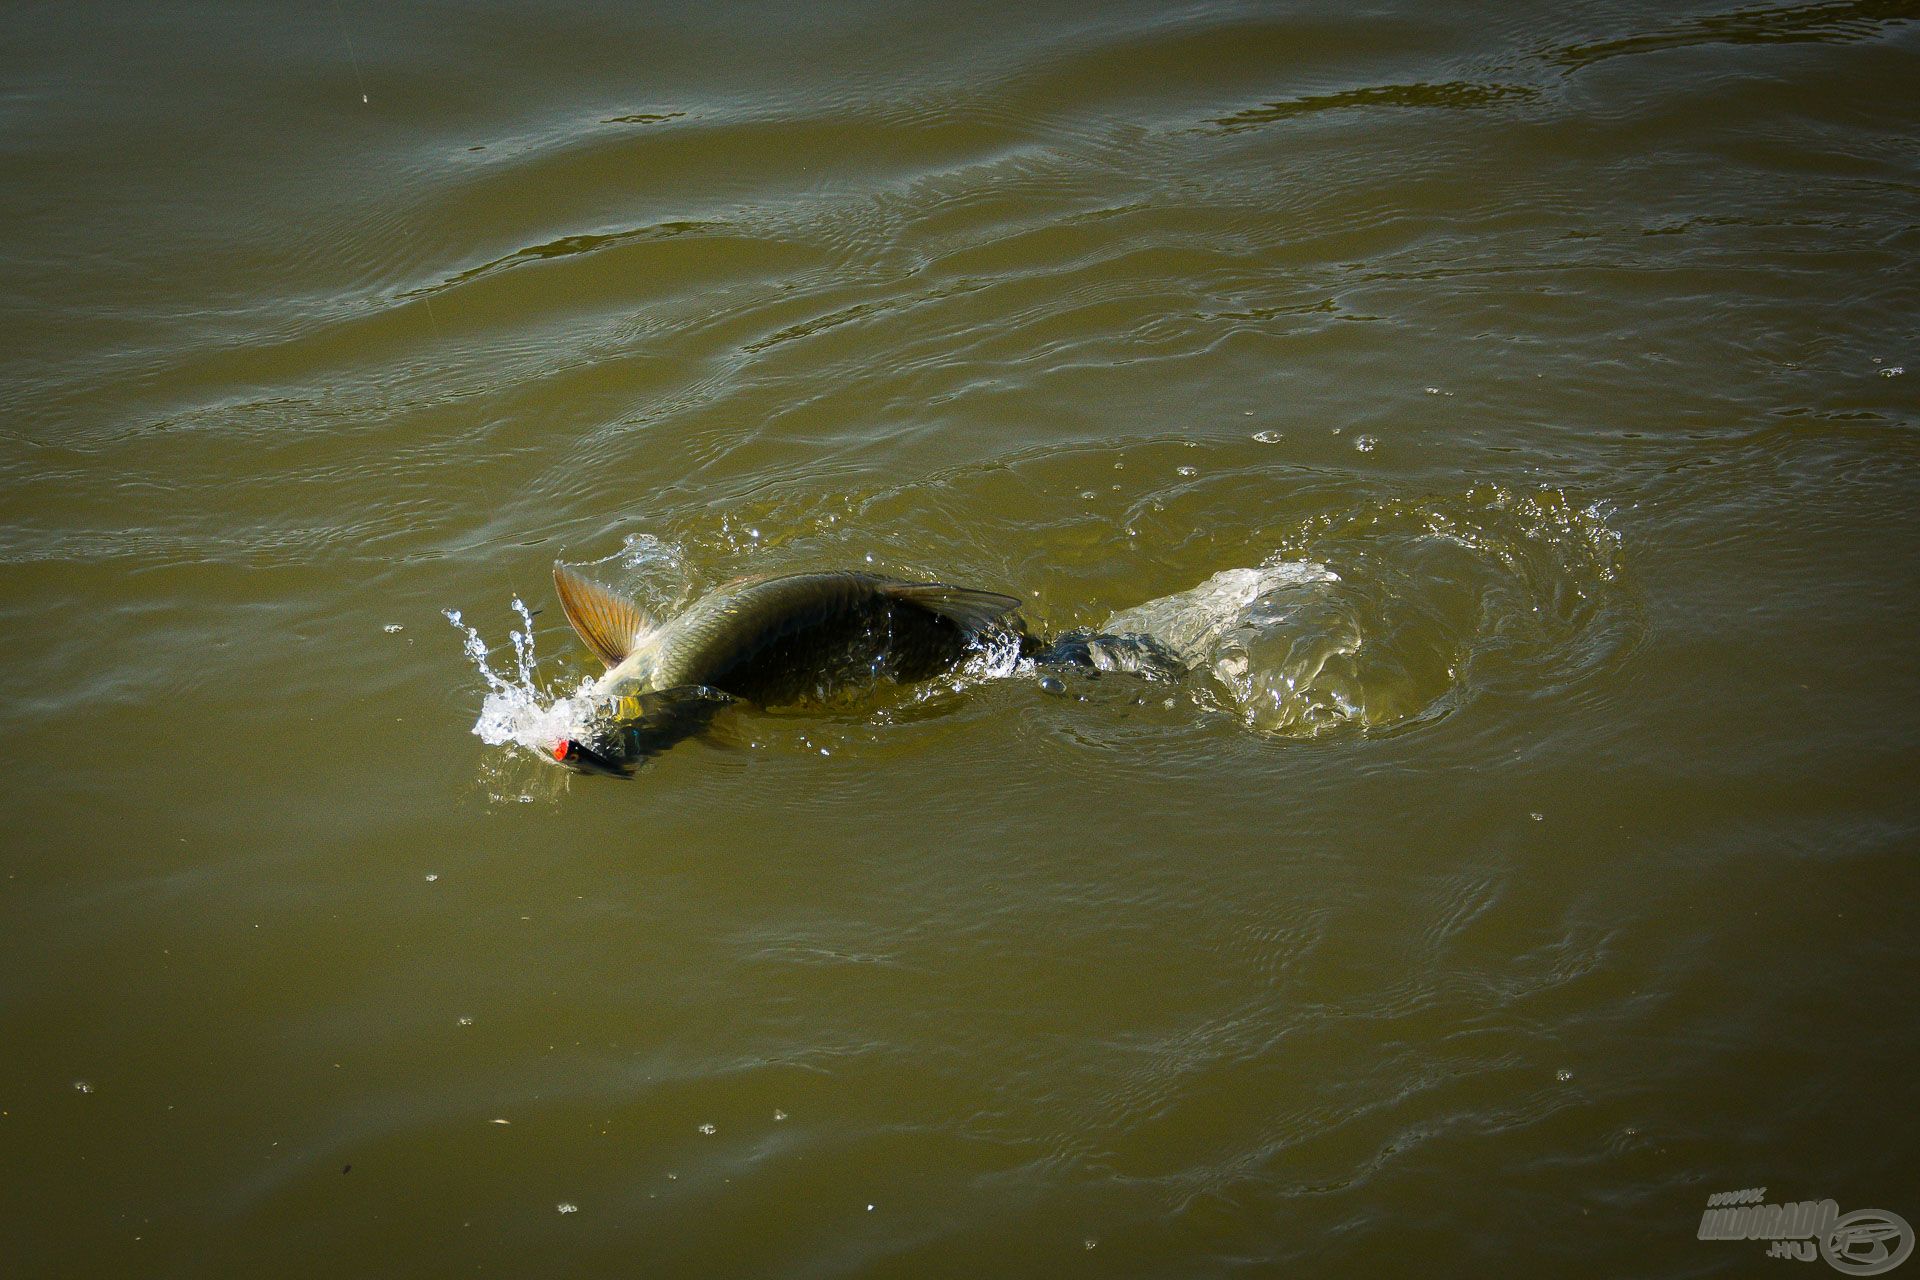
(766, 641)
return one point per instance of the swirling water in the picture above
(1506, 410)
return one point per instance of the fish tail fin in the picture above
(610, 624)
(972, 611)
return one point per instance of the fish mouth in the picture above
(581, 758)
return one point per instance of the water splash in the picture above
(519, 709)
(1432, 601)
(1272, 638)
(654, 567)
(1190, 621)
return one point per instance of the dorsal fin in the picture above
(973, 611)
(610, 624)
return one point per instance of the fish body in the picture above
(768, 641)
(777, 640)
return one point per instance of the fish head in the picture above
(628, 728)
(582, 758)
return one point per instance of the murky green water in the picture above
(1487, 903)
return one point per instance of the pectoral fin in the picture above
(610, 624)
(972, 611)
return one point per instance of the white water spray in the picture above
(518, 709)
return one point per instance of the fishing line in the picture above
(360, 80)
(347, 36)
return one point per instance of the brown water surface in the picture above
(1534, 857)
